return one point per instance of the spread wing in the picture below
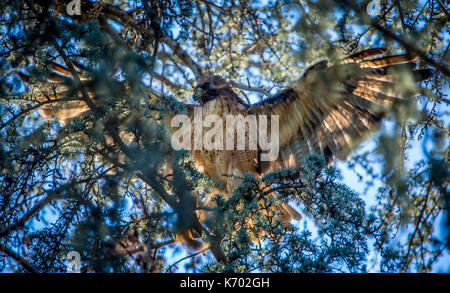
(59, 93)
(61, 97)
(332, 107)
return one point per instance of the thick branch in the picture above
(147, 178)
(145, 175)
(187, 60)
(20, 260)
(249, 88)
(410, 47)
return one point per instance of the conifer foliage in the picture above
(76, 184)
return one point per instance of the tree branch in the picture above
(145, 174)
(410, 47)
(187, 60)
(20, 260)
(249, 88)
(20, 223)
(189, 256)
(407, 260)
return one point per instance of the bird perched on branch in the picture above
(329, 110)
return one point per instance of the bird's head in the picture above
(209, 88)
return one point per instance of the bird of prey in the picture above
(327, 111)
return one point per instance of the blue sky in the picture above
(350, 178)
(416, 153)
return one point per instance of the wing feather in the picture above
(331, 108)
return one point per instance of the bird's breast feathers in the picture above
(217, 163)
